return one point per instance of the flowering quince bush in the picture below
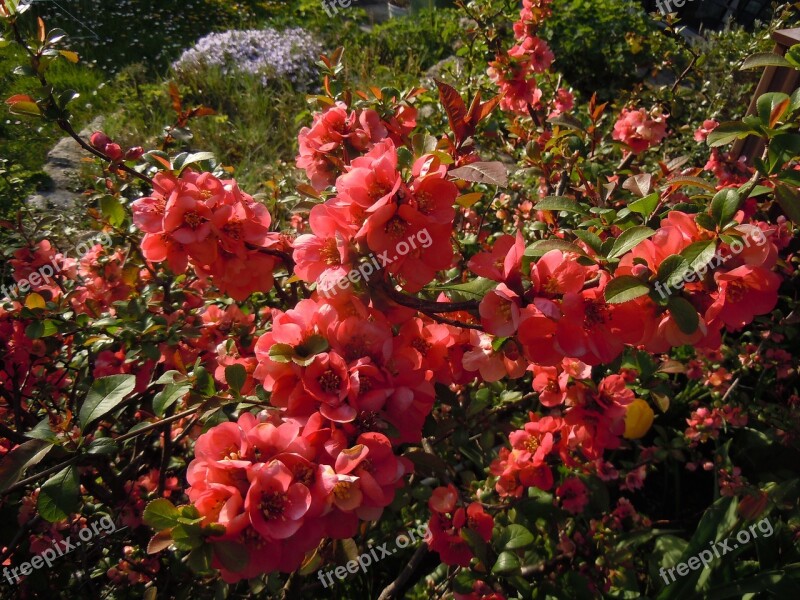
(507, 320)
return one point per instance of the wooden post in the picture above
(774, 79)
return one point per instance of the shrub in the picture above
(267, 53)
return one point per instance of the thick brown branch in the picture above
(426, 306)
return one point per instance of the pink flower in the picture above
(707, 127)
(275, 504)
(573, 495)
(639, 129)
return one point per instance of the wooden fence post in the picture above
(774, 79)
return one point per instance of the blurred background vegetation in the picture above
(127, 47)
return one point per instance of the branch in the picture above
(426, 306)
(392, 590)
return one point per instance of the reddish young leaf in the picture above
(455, 108)
(175, 95)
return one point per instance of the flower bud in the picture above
(99, 140)
(134, 153)
(113, 151)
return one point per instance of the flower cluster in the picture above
(337, 136)
(268, 53)
(590, 420)
(640, 129)
(559, 310)
(514, 71)
(447, 521)
(375, 211)
(210, 223)
(279, 485)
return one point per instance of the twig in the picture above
(393, 589)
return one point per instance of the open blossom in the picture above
(640, 129)
(211, 224)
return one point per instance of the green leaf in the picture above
(38, 329)
(559, 203)
(233, 556)
(684, 314)
(645, 206)
(517, 537)
(566, 120)
(199, 559)
(724, 205)
(624, 289)
(427, 464)
(542, 247)
(705, 221)
(171, 393)
(699, 254)
(474, 289)
(716, 524)
(768, 103)
(476, 543)
(793, 56)
(105, 394)
(629, 239)
(112, 210)
(728, 132)
(160, 514)
(235, 376)
(764, 59)
(102, 446)
(26, 455)
(589, 238)
(789, 201)
(672, 269)
(507, 562)
(463, 581)
(204, 382)
(59, 495)
(281, 353)
(42, 431)
(170, 377)
(304, 353)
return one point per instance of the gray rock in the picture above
(62, 166)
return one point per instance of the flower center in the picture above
(329, 382)
(342, 490)
(421, 346)
(330, 253)
(233, 229)
(192, 219)
(735, 291)
(595, 314)
(396, 227)
(273, 504)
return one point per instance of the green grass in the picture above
(254, 130)
(24, 142)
